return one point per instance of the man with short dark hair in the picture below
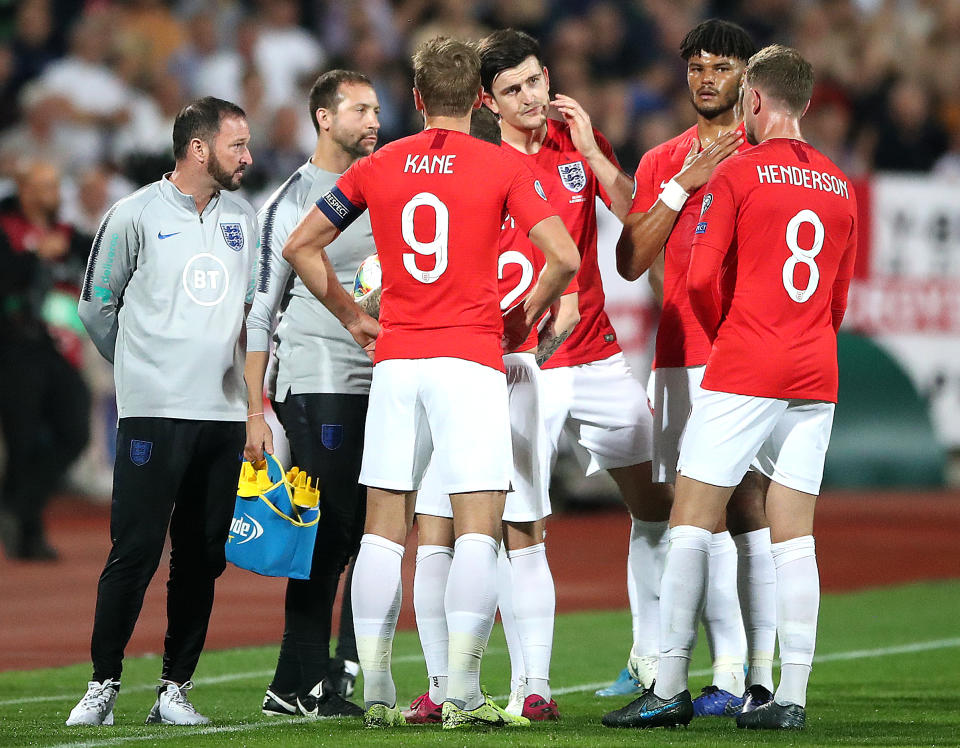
(439, 395)
(772, 258)
(588, 389)
(171, 269)
(319, 392)
(657, 236)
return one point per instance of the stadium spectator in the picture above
(285, 53)
(44, 403)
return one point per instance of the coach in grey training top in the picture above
(320, 395)
(163, 299)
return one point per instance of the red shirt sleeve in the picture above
(526, 201)
(841, 285)
(711, 241)
(645, 191)
(607, 150)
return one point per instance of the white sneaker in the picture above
(96, 706)
(173, 707)
(643, 668)
(517, 696)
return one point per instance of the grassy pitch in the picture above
(887, 674)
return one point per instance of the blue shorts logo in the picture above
(701, 228)
(232, 235)
(140, 452)
(331, 435)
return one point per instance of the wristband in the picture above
(674, 196)
(254, 415)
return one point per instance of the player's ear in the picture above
(199, 150)
(755, 101)
(323, 118)
(546, 77)
(417, 99)
(805, 108)
(488, 99)
(478, 102)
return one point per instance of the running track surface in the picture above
(46, 609)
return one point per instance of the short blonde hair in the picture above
(446, 72)
(782, 73)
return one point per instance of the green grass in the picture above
(859, 694)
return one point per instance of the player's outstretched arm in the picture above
(259, 435)
(618, 185)
(563, 260)
(304, 250)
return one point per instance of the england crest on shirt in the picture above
(232, 235)
(573, 176)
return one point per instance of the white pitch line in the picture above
(213, 680)
(856, 654)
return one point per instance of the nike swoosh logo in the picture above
(161, 235)
(658, 710)
(664, 184)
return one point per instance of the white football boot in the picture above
(96, 706)
(173, 707)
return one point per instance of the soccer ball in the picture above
(368, 277)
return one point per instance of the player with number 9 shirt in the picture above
(779, 234)
(437, 201)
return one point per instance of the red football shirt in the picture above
(680, 338)
(437, 201)
(572, 189)
(520, 265)
(781, 218)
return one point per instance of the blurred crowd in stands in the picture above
(89, 90)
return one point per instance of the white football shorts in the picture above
(528, 500)
(448, 411)
(788, 438)
(672, 391)
(603, 409)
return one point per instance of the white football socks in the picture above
(721, 616)
(798, 603)
(534, 604)
(682, 593)
(376, 595)
(757, 588)
(471, 604)
(429, 588)
(645, 560)
(518, 673)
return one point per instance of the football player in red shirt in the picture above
(772, 260)
(437, 201)
(588, 388)
(525, 589)
(658, 235)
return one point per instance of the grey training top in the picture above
(315, 354)
(163, 299)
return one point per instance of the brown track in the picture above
(46, 610)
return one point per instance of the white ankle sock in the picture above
(534, 604)
(798, 603)
(757, 589)
(682, 593)
(429, 588)
(721, 616)
(648, 551)
(376, 595)
(471, 604)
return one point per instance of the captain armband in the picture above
(336, 207)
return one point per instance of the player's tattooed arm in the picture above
(371, 303)
(564, 316)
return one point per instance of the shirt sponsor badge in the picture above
(701, 228)
(140, 452)
(232, 235)
(573, 176)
